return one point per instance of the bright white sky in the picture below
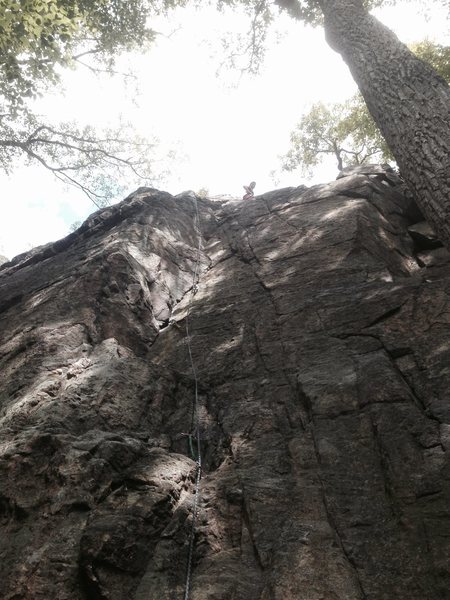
(225, 135)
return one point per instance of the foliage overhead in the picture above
(39, 38)
(92, 160)
(346, 130)
(436, 55)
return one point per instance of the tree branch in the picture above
(83, 155)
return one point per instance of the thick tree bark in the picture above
(409, 102)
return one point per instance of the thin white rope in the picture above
(196, 415)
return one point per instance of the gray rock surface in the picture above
(322, 346)
(424, 236)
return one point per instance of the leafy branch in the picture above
(89, 160)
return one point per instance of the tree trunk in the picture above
(338, 154)
(408, 100)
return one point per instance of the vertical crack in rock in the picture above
(322, 350)
(332, 523)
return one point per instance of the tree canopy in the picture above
(436, 55)
(407, 99)
(38, 39)
(346, 130)
(99, 163)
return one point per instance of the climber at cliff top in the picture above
(249, 191)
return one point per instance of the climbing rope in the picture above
(195, 423)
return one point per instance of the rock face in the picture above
(321, 342)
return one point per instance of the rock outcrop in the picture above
(320, 333)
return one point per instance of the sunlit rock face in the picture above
(320, 332)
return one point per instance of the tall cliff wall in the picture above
(320, 332)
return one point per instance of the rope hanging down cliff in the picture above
(195, 425)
